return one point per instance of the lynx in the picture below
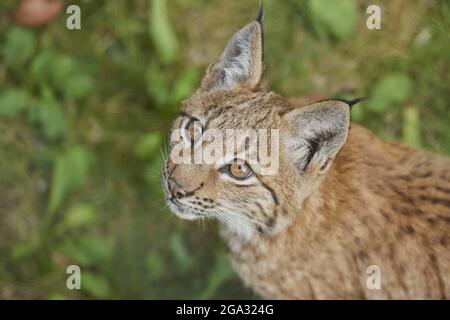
(342, 199)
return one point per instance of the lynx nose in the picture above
(175, 189)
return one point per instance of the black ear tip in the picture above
(352, 102)
(260, 17)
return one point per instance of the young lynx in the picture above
(341, 201)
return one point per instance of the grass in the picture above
(83, 115)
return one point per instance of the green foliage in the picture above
(155, 264)
(158, 87)
(185, 84)
(86, 250)
(41, 65)
(96, 285)
(337, 18)
(70, 172)
(221, 272)
(50, 117)
(18, 47)
(183, 259)
(161, 32)
(148, 145)
(166, 91)
(411, 127)
(63, 72)
(390, 92)
(66, 75)
(23, 248)
(78, 86)
(12, 101)
(80, 215)
(56, 296)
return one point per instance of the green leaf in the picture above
(41, 66)
(18, 47)
(96, 248)
(70, 248)
(86, 250)
(64, 73)
(337, 17)
(358, 114)
(391, 91)
(157, 86)
(185, 85)
(179, 251)
(63, 67)
(411, 127)
(161, 32)
(148, 145)
(24, 248)
(219, 275)
(56, 296)
(51, 118)
(12, 101)
(96, 285)
(70, 172)
(77, 86)
(155, 264)
(79, 216)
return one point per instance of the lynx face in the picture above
(232, 96)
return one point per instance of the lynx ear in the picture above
(241, 63)
(315, 134)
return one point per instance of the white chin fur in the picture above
(186, 215)
(235, 225)
(243, 231)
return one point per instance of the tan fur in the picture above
(313, 236)
(382, 204)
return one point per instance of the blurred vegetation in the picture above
(84, 115)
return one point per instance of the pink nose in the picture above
(175, 189)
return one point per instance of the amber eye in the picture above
(239, 170)
(194, 130)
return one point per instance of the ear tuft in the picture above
(260, 20)
(260, 16)
(316, 133)
(352, 102)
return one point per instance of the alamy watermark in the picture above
(74, 278)
(257, 147)
(73, 21)
(374, 278)
(374, 20)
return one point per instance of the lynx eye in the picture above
(239, 170)
(193, 130)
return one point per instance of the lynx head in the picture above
(233, 97)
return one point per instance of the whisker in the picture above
(166, 149)
(162, 154)
(166, 205)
